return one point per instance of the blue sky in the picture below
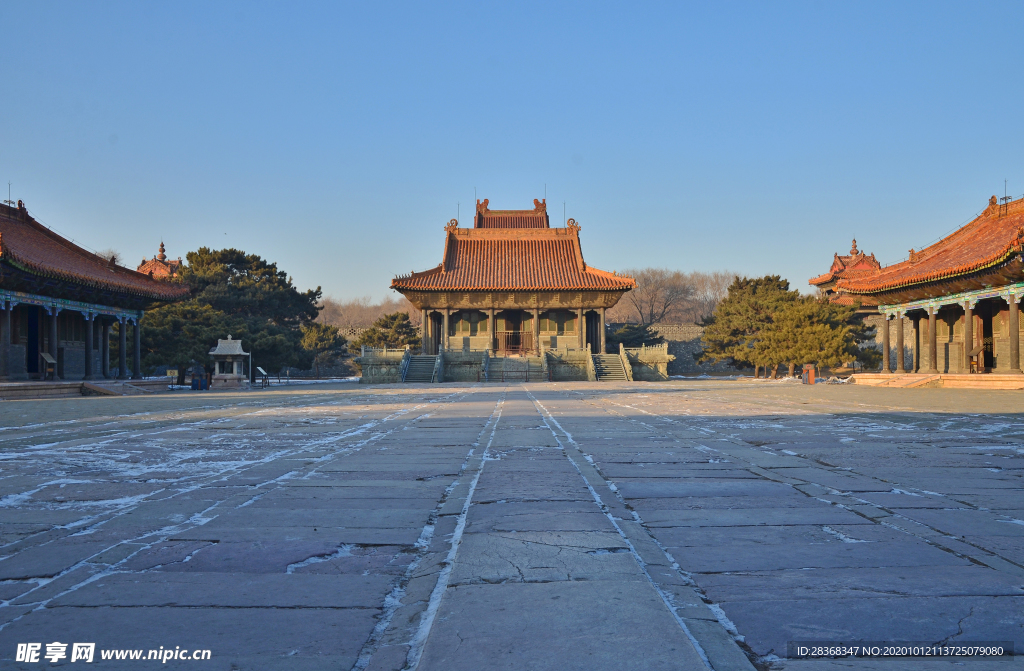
(337, 139)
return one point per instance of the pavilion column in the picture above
(105, 347)
(968, 335)
(581, 327)
(536, 329)
(122, 349)
(601, 337)
(137, 349)
(916, 366)
(1014, 334)
(5, 340)
(53, 340)
(885, 344)
(490, 328)
(444, 336)
(900, 365)
(933, 341)
(423, 331)
(88, 316)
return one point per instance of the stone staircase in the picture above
(608, 368)
(421, 368)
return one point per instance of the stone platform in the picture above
(12, 391)
(944, 380)
(694, 524)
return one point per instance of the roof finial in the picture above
(161, 256)
(853, 248)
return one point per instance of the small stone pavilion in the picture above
(513, 284)
(229, 360)
(956, 301)
(58, 302)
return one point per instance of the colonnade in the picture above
(427, 334)
(967, 302)
(94, 320)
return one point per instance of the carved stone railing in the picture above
(649, 363)
(438, 374)
(625, 363)
(591, 371)
(403, 370)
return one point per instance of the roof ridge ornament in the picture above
(451, 225)
(853, 248)
(571, 224)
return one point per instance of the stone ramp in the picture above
(33, 389)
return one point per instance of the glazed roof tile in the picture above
(535, 218)
(513, 259)
(989, 240)
(26, 243)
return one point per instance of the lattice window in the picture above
(467, 322)
(558, 322)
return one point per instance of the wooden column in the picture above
(536, 329)
(1014, 334)
(917, 345)
(602, 334)
(53, 341)
(582, 328)
(5, 340)
(423, 331)
(968, 334)
(122, 349)
(900, 365)
(933, 342)
(885, 344)
(137, 350)
(491, 328)
(444, 336)
(105, 348)
(87, 316)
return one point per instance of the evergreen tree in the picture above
(633, 335)
(393, 330)
(232, 293)
(323, 341)
(735, 329)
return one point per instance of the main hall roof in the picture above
(35, 249)
(990, 240)
(513, 258)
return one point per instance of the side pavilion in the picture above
(58, 300)
(512, 284)
(961, 294)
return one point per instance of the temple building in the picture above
(512, 284)
(59, 301)
(957, 300)
(159, 267)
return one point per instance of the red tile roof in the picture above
(535, 218)
(27, 244)
(856, 263)
(993, 238)
(513, 259)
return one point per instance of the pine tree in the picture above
(393, 330)
(735, 329)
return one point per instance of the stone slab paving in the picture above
(687, 525)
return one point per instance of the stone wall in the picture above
(567, 366)
(462, 366)
(379, 368)
(684, 341)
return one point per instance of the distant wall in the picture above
(684, 341)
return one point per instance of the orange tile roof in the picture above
(856, 263)
(35, 249)
(513, 259)
(990, 240)
(535, 218)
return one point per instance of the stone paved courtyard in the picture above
(541, 526)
